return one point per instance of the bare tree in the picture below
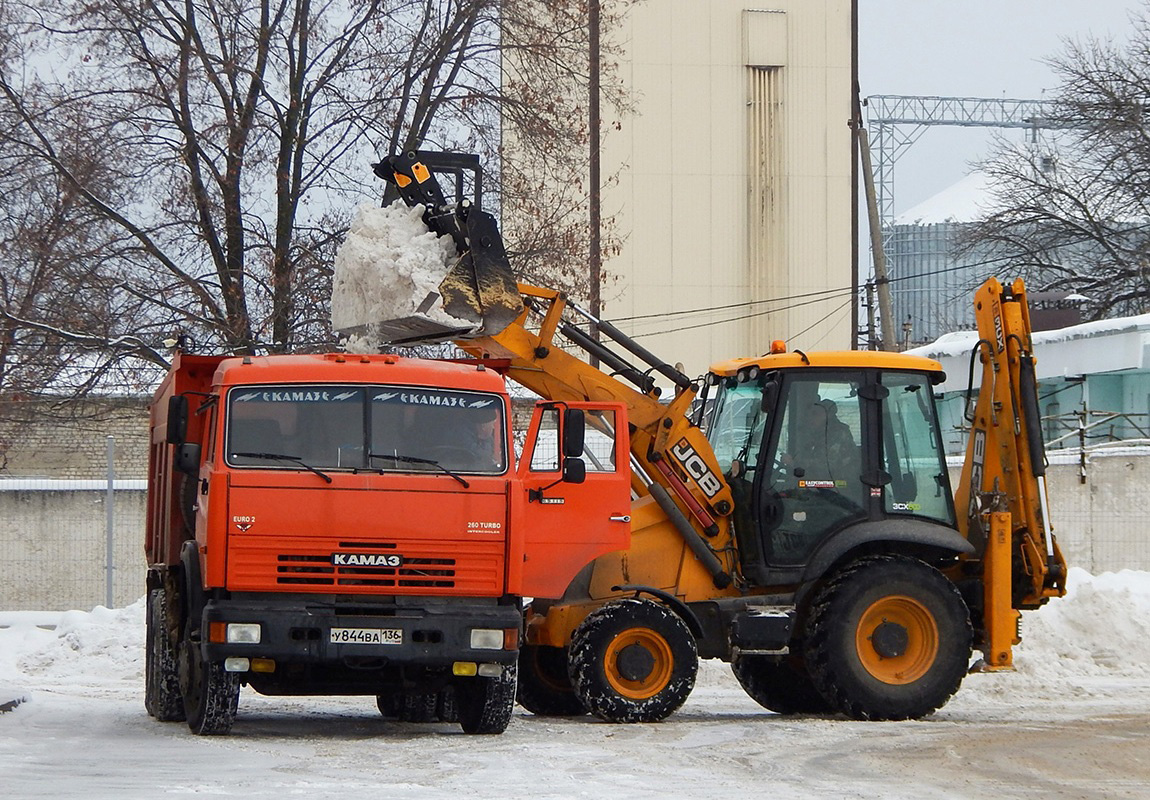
(1073, 210)
(208, 154)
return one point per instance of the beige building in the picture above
(735, 195)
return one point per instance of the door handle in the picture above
(620, 518)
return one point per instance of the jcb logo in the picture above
(696, 467)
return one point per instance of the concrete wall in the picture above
(42, 437)
(52, 543)
(53, 547)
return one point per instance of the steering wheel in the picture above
(454, 455)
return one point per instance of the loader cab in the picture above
(814, 451)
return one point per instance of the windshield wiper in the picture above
(415, 460)
(283, 457)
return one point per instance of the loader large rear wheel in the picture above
(161, 670)
(888, 638)
(544, 685)
(779, 683)
(633, 661)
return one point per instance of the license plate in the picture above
(366, 636)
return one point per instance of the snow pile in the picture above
(1101, 626)
(1096, 635)
(100, 646)
(389, 268)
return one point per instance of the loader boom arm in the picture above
(668, 451)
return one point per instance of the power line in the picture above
(821, 294)
(825, 296)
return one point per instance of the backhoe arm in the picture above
(1001, 497)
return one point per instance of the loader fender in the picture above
(929, 541)
(672, 602)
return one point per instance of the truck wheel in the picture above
(211, 694)
(888, 638)
(779, 683)
(388, 704)
(633, 661)
(161, 671)
(484, 705)
(418, 707)
(544, 686)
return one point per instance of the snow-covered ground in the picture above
(1072, 721)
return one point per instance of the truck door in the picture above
(567, 524)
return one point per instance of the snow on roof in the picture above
(965, 201)
(1091, 348)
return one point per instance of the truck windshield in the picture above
(330, 427)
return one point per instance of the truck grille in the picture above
(453, 567)
(318, 570)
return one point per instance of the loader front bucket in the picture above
(458, 288)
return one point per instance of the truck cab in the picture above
(345, 524)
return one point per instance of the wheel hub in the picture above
(889, 639)
(635, 662)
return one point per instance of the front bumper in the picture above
(435, 634)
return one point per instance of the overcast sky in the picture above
(968, 48)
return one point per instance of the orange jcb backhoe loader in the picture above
(792, 513)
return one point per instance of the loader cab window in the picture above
(912, 450)
(814, 485)
(735, 426)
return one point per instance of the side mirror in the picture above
(574, 470)
(177, 419)
(574, 425)
(770, 396)
(188, 458)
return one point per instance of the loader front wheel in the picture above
(888, 638)
(544, 685)
(633, 661)
(161, 670)
(779, 683)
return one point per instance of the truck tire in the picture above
(211, 694)
(418, 707)
(162, 696)
(888, 638)
(779, 683)
(485, 705)
(633, 660)
(544, 685)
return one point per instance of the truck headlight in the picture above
(243, 633)
(486, 638)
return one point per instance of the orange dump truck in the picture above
(360, 525)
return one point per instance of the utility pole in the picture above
(882, 283)
(594, 167)
(595, 254)
(871, 341)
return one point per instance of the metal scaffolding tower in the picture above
(894, 123)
